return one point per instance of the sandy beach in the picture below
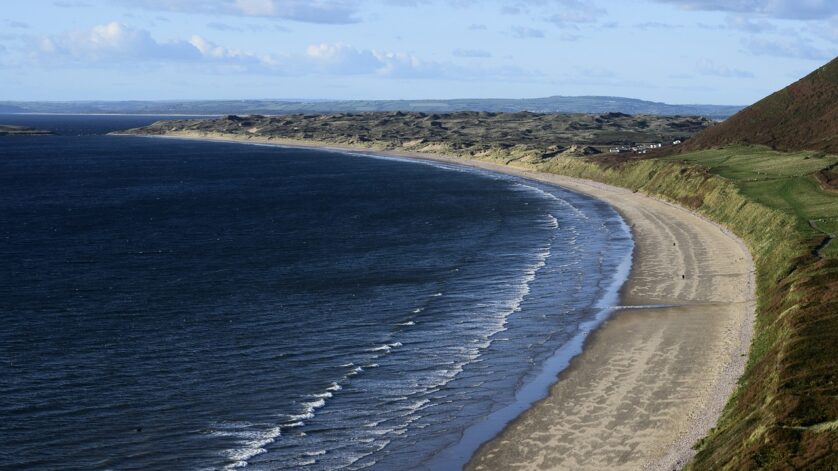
(654, 378)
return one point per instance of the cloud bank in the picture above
(309, 11)
(786, 9)
(117, 43)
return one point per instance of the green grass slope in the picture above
(802, 116)
(784, 414)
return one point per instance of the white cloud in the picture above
(655, 25)
(252, 27)
(210, 50)
(341, 58)
(524, 32)
(828, 30)
(114, 42)
(785, 48)
(257, 7)
(574, 12)
(710, 68)
(71, 4)
(471, 53)
(15, 24)
(310, 11)
(746, 24)
(791, 9)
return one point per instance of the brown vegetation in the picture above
(802, 116)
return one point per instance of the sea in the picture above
(173, 304)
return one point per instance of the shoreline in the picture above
(703, 329)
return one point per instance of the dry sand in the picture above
(650, 381)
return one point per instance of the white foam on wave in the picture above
(313, 405)
(536, 388)
(418, 310)
(299, 417)
(309, 407)
(436, 295)
(493, 322)
(354, 372)
(251, 439)
(408, 323)
(552, 196)
(553, 222)
(387, 347)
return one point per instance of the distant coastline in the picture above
(70, 113)
(551, 104)
(14, 130)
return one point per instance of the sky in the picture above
(675, 51)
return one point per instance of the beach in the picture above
(650, 382)
(654, 378)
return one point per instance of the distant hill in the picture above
(12, 130)
(554, 104)
(464, 132)
(5, 108)
(802, 116)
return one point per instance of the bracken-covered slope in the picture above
(802, 116)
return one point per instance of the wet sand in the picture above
(650, 382)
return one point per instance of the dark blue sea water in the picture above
(189, 305)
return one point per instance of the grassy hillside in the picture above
(802, 116)
(784, 414)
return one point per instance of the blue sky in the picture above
(677, 51)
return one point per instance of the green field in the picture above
(780, 181)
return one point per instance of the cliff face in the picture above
(802, 116)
